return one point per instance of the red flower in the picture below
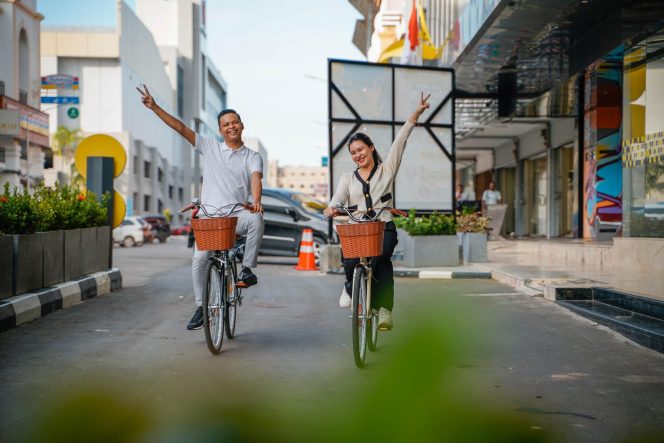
(3, 199)
(80, 197)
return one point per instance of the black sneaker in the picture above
(247, 277)
(196, 321)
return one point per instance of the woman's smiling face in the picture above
(361, 154)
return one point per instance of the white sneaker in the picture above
(384, 319)
(344, 300)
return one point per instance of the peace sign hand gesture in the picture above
(424, 105)
(146, 97)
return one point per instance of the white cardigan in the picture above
(350, 190)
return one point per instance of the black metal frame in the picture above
(359, 121)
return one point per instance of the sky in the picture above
(273, 56)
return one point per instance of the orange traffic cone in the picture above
(307, 260)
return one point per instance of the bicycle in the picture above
(223, 292)
(363, 240)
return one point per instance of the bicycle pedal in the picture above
(241, 285)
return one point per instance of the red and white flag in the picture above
(411, 40)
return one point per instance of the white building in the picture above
(255, 144)
(19, 95)
(312, 180)
(179, 30)
(110, 63)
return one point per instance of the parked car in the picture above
(160, 226)
(130, 232)
(287, 214)
(181, 230)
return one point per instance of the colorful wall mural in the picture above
(602, 188)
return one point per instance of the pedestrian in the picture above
(463, 196)
(370, 188)
(491, 196)
(230, 172)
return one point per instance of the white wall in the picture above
(531, 143)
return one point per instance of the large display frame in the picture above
(377, 99)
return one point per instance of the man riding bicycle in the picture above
(230, 172)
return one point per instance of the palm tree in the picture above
(65, 142)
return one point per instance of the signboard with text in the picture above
(66, 100)
(9, 122)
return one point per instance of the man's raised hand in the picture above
(146, 97)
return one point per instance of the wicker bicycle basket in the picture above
(361, 239)
(214, 234)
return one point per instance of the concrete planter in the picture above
(29, 256)
(103, 248)
(426, 250)
(73, 267)
(6, 266)
(473, 246)
(88, 250)
(53, 258)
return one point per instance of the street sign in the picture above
(67, 100)
(324, 161)
(72, 112)
(9, 122)
(62, 81)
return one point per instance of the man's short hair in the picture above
(228, 111)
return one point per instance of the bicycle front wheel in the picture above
(233, 298)
(360, 315)
(213, 308)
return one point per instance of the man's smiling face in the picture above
(230, 127)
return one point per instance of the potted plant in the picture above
(427, 240)
(472, 233)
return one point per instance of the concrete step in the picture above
(638, 318)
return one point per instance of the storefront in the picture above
(643, 138)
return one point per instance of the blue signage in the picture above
(324, 161)
(61, 100)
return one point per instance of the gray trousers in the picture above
(249, 224)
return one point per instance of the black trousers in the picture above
(382, 286)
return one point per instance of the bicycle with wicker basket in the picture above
(364, 240)
(223, 291)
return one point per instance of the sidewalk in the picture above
(524, 272)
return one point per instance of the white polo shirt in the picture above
(226, 172)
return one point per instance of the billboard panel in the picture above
(377, 99)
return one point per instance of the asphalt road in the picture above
(472, 350)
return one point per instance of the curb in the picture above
(443, 275)
(15, 311)
(519, 283)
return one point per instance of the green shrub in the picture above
(433, 224)
(63, 207)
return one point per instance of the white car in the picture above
(130, 232)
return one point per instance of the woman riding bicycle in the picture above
(369, 188)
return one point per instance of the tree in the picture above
(65, 142)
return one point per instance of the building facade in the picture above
(312, 180)
(561, 109)
(24, 148)
(109, 65)
(179, 30)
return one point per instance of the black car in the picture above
(159, 226)
(287, 214)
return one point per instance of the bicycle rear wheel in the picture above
(232, 300)
(213, 308)
(373, 331)
(360, 315)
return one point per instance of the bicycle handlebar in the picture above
(352, 209)
(196, 204)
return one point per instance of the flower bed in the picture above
(40, 237)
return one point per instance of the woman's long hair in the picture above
(364, 138)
